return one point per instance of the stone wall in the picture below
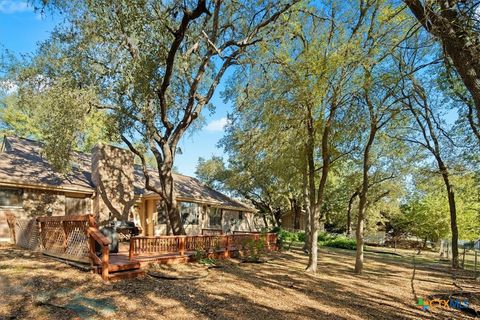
(35, 203)
(43, 203)
(237, 221)
(113, 176)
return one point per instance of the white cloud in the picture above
(217, 125)
(14, 6)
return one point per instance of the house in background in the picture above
(292, 221)
(109, 185)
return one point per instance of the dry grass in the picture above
(33, 286)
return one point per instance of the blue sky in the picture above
(20, 31)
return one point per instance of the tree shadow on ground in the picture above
(38, 288)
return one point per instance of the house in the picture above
(292, 221)
(109, 185)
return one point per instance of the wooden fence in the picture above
(72, 238)
(24, 233)
(65, 236)
(160, 245)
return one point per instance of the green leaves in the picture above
(426, 212)
(62, 117)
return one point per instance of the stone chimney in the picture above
(113, 176)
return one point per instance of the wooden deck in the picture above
(142, 251)
(168, 258)
(76, 240)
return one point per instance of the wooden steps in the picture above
(128, 274)
(120, 267)
(119, 262)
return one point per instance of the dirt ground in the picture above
(33, 286)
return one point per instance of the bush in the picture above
(324, 239)
(340, 242)
(301, 236)
(285, 236)
(325, 236)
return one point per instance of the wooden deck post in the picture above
(65, 233)
(130, 249)
(181, 245)
(226, 253)
(105, 258)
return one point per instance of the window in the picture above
(215, 217)
(77, 205)
(240, 215)
(11, 197)
(189, 212)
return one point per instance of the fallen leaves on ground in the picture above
(34, 286)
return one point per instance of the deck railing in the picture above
(211, 231)
(74, 238)
(180, 245)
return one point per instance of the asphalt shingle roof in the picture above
(22, 162)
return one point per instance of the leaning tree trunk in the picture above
(265, 221)
(459, 38)
(362, 205)
(166, 191)
(453, 218)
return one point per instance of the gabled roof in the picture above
(22, 163)
(189, 189)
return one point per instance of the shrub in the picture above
(301, 236)
(325, 236)
(255, 249)
(340, 242)
(285, 236)
(324, 239)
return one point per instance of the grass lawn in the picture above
(33, 286)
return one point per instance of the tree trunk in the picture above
(277, 216)
(360, 237)
(349, 213)
(430, 136)
(170, 201)
(313, 217)
(458, 36)
(453, 219)
(317, 205)
(265, 221)
(161, 211)
(306, 204)
(296, 214)
(362, 205)
(313, 241)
